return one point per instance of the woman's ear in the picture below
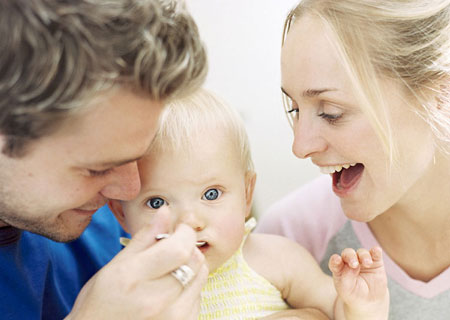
(250, 181)
(117, 208)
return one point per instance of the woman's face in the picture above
(332, 130)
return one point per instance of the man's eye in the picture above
(99, 173)
(211, 194)
(155, 203)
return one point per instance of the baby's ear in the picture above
(117, 208)
(250, 181)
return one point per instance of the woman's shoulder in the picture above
(310, 215)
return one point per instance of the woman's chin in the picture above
(358, 212)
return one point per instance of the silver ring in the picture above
(183, 274)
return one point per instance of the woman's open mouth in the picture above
(346, 179)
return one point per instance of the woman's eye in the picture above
(291, 107)
(294, 112)
(155, 203)
(330, 112)
(211, 194)
(331, 118)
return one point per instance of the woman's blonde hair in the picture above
(185, 119)
(404, 40)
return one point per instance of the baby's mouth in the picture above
(202, 245)
(346, 178)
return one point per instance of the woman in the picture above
(367, 86)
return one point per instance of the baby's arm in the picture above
(361, 284)
(295, 273)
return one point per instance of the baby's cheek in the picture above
(233, 230)
(135, 222)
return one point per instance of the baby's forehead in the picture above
(219, 148)
(194, 139)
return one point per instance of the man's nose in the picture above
(124, 183)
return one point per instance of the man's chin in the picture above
(64, 232)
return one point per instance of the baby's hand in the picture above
(361, 283)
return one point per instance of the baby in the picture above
(199, 168)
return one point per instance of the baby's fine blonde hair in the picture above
(407, 41)
(184, 120)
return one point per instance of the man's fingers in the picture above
(146, 236)
(190, 297)
(180, 248)
(163, 257)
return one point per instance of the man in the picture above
(82, 84)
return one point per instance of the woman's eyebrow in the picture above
(310, 93)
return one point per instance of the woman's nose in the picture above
(308, 139)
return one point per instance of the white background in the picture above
(243, 40)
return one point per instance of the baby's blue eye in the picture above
(211, 194)
(155, 203)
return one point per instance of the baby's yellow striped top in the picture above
(236, 292)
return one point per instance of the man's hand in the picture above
(138, 284)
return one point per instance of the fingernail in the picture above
(353, 263)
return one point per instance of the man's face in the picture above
(65, 177)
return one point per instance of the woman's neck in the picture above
(415, 232)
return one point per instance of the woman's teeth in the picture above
(333, 169)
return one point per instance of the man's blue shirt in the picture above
(41, 278)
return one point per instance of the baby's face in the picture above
(205, 189)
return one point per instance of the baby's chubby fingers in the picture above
(336, 264)
(364, 257)
(377, 257)
(376, 253)
(350, 258)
